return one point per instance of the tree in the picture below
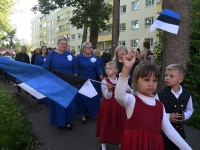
(92, 14)
(5, 26)
(176, 47)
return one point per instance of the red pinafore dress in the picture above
(143, 130)
(111, 121)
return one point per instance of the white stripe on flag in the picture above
(164, 26)
(88, 89)
(32, 91)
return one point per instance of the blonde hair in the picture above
(62, 39)
(112, 63)
(115, 58)
(177, 67)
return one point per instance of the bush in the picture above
(195, 119)
(15, 128)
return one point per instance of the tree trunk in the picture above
(176, 47)
(84, 38)
(115, 26)
(93, 38)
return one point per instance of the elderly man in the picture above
(36, 52)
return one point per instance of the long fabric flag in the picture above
(168, 21)
(41, 82)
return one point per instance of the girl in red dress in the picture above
(112, 117)
(145, 114)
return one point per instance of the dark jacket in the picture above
(22, 57)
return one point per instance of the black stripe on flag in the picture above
(168, 19)
(75, 81)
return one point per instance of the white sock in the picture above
(103, 146)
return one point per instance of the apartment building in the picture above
(136, 17)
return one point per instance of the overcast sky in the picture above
(22, 17)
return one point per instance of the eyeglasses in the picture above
(88, 47)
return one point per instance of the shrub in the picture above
(15, 128)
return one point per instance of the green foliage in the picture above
(192, 78)
(158, 48)
(5, 9)
(195, 119)
(16, 131)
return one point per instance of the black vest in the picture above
(174, 105)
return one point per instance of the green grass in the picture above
(15, 129)
(195, 119)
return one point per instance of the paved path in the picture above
(82, 137)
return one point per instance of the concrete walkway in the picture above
(82, 137)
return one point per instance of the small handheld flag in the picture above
(167, 21)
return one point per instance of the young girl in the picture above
(112, 117)
(145, 115)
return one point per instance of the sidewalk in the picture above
(82, 137)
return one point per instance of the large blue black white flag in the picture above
(41, 82)
(167, 21)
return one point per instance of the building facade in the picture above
(136, 17)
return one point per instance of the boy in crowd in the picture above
(177, 101)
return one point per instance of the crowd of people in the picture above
(129, 112)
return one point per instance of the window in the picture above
(134, 43)
(135, 24)
(150, 40)
(149, 2)
(51, 22)
(79, 35)
(148, 21)
(79, 48)
(122, 27)
(122, 43)
(135, 5)
(73, 36)
(122, 9)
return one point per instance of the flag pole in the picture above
(99, 82)
(142, 39)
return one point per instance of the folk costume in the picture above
(65, 63)
(88, 67)
(176, 104)
(145, 119)
(111, 121)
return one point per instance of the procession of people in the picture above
(129, 113)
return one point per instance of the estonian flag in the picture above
(41, 82)
(168, 21)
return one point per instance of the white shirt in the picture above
(104, 88)
(128, 101)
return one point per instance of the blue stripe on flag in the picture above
(171, 13)
(41, 80)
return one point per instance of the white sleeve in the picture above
(172, 134)
(124, 99)
(104, 90)
(132, 91)
(189, 109)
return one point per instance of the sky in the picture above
(21, 18)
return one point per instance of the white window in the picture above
(149, 2)
(122, 43)
(51, 41)
(134, 43)
(122, 27)
(135, 24)
(135, 5)
(150, 40)
(122, 9)
(148, 21)
(51, 22)
(73, 36)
